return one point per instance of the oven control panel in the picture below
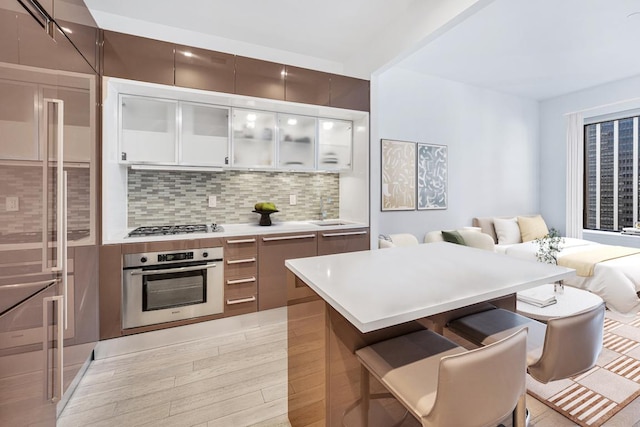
(178, 256)
(160, 258)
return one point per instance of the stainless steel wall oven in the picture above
(162, 287)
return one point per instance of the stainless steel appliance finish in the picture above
(160, 287)
(161, 230)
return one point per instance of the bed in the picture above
(616, 281)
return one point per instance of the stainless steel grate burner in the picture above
(161, 230)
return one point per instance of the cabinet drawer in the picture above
(240, 291)
(340, 241)
(234, 282)
(240, 302)
(241, 267)
(241, 246)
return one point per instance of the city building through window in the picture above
(611, 174)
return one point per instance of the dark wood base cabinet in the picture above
(240, 275)
(111, 284)
(341, 241)
(323, 370)
(255, 277)
(273, 250)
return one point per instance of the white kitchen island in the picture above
(340, 303)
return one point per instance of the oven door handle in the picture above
(172, 270)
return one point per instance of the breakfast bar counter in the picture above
(340, 303)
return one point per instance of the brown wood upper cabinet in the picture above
(48, 7)
(138, 58)
(23, 39)
(307, 86)
(349, 92)
(258, 78)
(76, 21)
(84, 38)
(204, 69)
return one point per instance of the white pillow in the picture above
(507, 231)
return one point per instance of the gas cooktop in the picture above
(162, 230)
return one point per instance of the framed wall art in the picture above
(432, 176)
(398, 183)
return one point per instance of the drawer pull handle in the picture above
(346, 233)
(300, 236)
(240, 300)
(237, 281)
(232, 242)
(240, 261)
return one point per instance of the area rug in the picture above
(592, 398)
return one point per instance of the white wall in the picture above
(492, 140)
(605, 99)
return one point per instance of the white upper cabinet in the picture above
(253, 139)
(204, 135)
(148, 130)
(296, 142)
(335, 144)
(172, 132)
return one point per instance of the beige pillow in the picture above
(507, 231)
(532, 228)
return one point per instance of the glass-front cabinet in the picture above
(148, 130)
(296, 142)
(173, 132)
(204, 134)
(334, 144)
(253, 139)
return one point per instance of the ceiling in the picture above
(331, 30)
(537, 49)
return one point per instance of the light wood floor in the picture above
(237, 379)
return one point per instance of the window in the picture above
(611, 174)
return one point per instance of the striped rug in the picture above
(590, 399)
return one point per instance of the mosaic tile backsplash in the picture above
(181, 197)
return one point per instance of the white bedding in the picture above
(616, 281)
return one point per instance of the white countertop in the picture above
(243, 230)
(382, 288)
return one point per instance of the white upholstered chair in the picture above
(564, 347)
(472, 238)
(442, 384)
(402, 239)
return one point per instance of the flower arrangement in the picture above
(549, 246)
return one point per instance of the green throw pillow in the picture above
(453, 237)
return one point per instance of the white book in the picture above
(537, 296)
(539, 304)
